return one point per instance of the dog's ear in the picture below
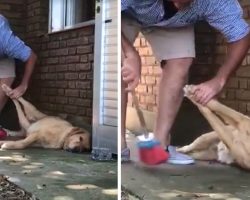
(77, 130)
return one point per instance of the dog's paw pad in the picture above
(4, 146)
(6, 88)
(184, 149)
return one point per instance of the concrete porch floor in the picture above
(201, 181)
(59, 175)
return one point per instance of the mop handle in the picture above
(139, 114)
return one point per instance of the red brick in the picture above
(72, 92)
(83, 85)
(233, 83)
(243, 83)
(243, 72)
(73, 59)
(85, 49)
(61, 68)
(141, 88)
(72, 84)
(150, 80)
(150, 99)
(85, 58)
(52, 60)
(62, 100)
(243, 94)
(83, 67)
(72, 51)
(53, 45)
(72, 67)
(70, 109)
(61, 84)
(71, 76)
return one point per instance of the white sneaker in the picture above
(177, 158)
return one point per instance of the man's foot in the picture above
(125, 155)
(177, 158)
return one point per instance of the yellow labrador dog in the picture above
(45, 131)
(230, 141)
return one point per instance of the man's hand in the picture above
(204, 92)
(18, 91)
(131, 70)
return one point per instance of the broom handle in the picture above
(139, 114)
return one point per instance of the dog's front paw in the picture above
(184, 149)
(6, 89)
(5, 145)
(1, 143)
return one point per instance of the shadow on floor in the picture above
(203, 181)
(59, 175)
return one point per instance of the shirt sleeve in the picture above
(13, 46)
(124, 5)
(227, 17)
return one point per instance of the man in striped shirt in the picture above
(168, 27)
(11, 47)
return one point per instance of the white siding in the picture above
(110, 84)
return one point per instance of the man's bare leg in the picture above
(124, 99)
(174, 77)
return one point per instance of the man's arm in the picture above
(226, 17)
(236, 53)
(29, 68)
(14, 47)
(131, 64)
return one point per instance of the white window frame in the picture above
(65, 28)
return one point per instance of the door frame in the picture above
(103, 136)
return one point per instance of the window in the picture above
(66, 14)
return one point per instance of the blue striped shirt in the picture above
(10, 45)
(224, 15)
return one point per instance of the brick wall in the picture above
(147, 90)
(237, 92)
(62, 82)
(211, 50)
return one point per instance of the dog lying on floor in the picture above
(229, 142)
(45, 131)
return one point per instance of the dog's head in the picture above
(77, 141)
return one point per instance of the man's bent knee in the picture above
(178, 62)
(179, 67)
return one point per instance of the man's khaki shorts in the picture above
(7, 68)
(166, 43)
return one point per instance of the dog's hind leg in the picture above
(19, 144)
(201, 143)
(206, 154)
(31, 111)
(225, 111)
(24, 122)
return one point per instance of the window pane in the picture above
(70, 12)
(79, 11)
(57, 21)
(85, 11)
